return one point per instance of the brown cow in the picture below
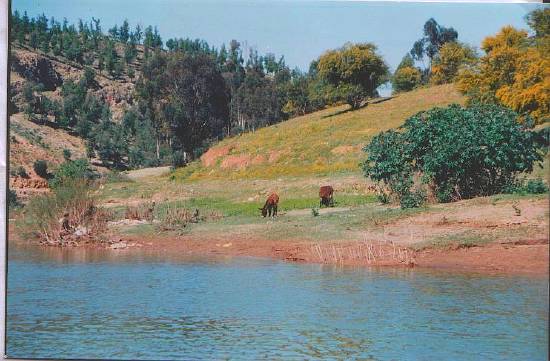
(270, 206)
(325, 193)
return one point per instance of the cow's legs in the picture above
(274, 210)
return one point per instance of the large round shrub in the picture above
(457, 152)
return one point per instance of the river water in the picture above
(128, 305)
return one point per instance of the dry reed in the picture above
(366, 251)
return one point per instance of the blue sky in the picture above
(299, 30)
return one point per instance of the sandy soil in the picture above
(529, 258)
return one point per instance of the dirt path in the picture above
(147, 172)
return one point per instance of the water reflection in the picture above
(98, 304)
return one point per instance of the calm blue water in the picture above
(77, 304)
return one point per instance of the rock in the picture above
(119, 245)
(81, 231)
(227, 245)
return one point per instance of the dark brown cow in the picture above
(270, 206)
(325, 193)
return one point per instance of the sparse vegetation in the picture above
(144, 211)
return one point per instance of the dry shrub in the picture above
(177, 218)
(68, 215)
(143, 211)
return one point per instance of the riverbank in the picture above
(502, 233)
(522, 258)
(529, 257)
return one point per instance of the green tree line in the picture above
(188, 93)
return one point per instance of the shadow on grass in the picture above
(364, 105)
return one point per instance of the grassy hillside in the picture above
(321, 143)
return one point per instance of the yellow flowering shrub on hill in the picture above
(514, 71)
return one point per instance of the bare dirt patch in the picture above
(209, 158)
(236, 161)
(259, 159)
(497, 258)
(484, 219)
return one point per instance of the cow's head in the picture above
(264, 211)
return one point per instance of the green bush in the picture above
(458, 152)
(531, 186)
(41, 168)
(12, 199)
(21, 172)
(67, 155)
(73, 170)
(536, 186)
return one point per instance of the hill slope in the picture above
(325, 142)
(31, 141)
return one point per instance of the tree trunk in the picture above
(158, 148)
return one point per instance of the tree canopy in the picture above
(435, 36)
(406, 76)
(514, 71)
(353, 72)
(452, 57)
